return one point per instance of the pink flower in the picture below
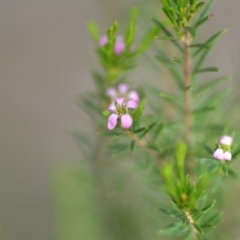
(119, 46)
(226, 140)
(103, 41)
(122, 91)
(119, 111)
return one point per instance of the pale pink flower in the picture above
(226, 140)
(119, 111)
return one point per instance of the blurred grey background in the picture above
(45, 57)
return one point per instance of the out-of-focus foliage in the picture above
(132, 181)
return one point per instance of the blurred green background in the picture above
(46, 55)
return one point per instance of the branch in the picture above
(144, 146)
(188, 101)
(191, 222)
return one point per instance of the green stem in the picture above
(191, 222)
(145, 147)
(188, 101)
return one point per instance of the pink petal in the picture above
(111, 92)
(227, 156)
(112, 107)
(119, 46)
(126, 121)
(112, 121)
(226, 140)
(103, 41)
(218, 154)
(132, 104)
(120, 101)
(123, 88)
(133, 95)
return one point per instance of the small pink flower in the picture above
(103, 41)
(119, 110)
(119, 46)
(226, 140)
(219, 154)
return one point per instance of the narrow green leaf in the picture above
(198, 6)
(165, 31)
(131, 29)
(172, 212)
(214, 218)
(207, 226)
(166, 38)
(206, 147)
(204, 109)
(225, 170)
(148, 129)
(170, 16)
(171, 228)
(175, 10)
(138, 112)
(172, 99)
(157, 132)
(208, 207)
(192, 31)
(162, 58)
(145, 42)
(93, 31)
(233, 174)
(210, 84)
(209, 69)
(236, 153)
(118, 148)
(110, 133)
(175, 59)
(180, 158)
(132, 146)
(165, 3)
(112, 30)
(205, 10)
(140, 130)
(199, 45)
(202, 21)
(198, 228)
(211, 40)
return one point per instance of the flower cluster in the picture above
(119, 111)
(119, 46)
(223, 150)
(122, 91)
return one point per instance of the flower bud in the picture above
(119, 46)
(103, 41)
